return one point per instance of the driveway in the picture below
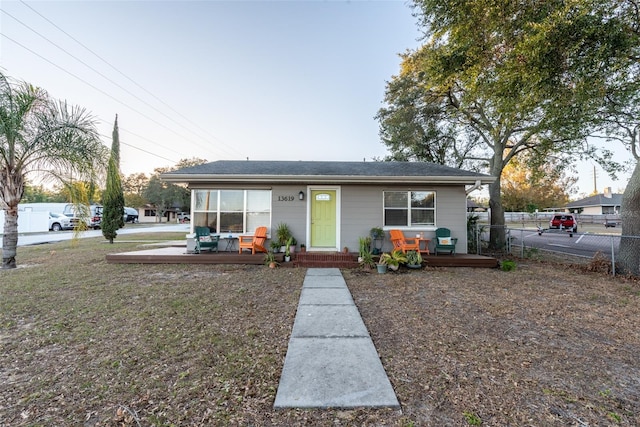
(49, 237)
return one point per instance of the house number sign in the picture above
(286, 198)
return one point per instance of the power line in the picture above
(141, 149)
(91, 68)
(99, 73)
(125, 76)
(91, 85)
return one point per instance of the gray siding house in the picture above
(329, 205)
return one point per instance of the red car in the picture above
(564, 221)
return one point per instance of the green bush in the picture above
(508, 265)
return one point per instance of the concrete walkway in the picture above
(331, 360)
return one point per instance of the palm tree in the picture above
(41, 137)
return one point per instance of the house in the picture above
(329, 205)
(601, 204)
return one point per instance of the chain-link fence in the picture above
(540, 243)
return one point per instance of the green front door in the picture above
(323, 218)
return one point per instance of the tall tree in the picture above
(165, 196)
(133, 186)
(113, 196)
(619, 121)
(529, 185)
(41, 137)
(495, 71)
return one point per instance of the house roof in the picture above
(325, 172)
(597, 200)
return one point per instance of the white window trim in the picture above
(417, 226)
(244, 211)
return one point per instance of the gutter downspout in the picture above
(475, 186)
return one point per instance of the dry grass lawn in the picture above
(86, 343)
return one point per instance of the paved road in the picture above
(581, 244)
(49, 237)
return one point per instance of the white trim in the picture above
(416, 226)
(337, 189)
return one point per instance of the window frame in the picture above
(218, 212)
(409, 225)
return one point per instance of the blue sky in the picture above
(267, 80)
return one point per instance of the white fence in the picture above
(518, 217)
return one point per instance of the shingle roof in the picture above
(597, 200)
(323, 170)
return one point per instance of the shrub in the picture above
(508, 265)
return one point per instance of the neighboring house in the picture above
(601, 204)
(147, 214)
(329, 205)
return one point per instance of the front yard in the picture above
(90, 343)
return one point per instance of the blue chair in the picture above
(204, 240)
(444, 241)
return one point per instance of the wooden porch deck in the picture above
(179, 255)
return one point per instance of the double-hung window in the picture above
(409, 208)
(232, 211)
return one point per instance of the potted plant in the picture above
(414, 259)
(270, 260)
(376, 233)
(382, 263)
(287, 250)
(394, 259)
(366, 260)
(377, 237)
(283, 233)
(275, 246)
(303, 247)
(363, 246)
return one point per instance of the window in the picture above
(232, 211)
(409, 208)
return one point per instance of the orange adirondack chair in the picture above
(255, 242)
(402, 243)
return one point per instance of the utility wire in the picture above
(108, 79)
(94, 70)
(92, 86)
(127, 77)
(99, 73)
(140, 149)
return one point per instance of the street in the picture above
(50, 237)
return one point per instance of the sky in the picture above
(222, 80)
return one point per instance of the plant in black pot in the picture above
(414, 259)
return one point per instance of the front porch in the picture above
(177, 254)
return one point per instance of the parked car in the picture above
(184, 217)
(58, 222)
(93, 218)
(130, 215)
(564, 221)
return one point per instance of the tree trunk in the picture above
(629, 254)
(497, 239)
(10, 238)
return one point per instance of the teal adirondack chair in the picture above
(204, 239)
(444, 241)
